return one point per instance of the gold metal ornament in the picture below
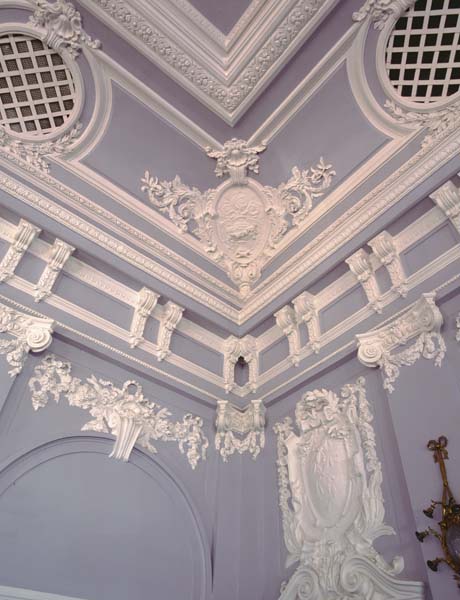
(449, 534)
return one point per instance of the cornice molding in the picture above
(421, 324)
(334, 548)
(226, 79)
(29, 334)
(123, 412)
(240, 430)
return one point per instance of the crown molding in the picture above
(306, 312)
(226, 75)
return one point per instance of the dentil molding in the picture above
(421, 325)
(240, 430)
(27, 334)
(334, 456)
(124, 412)
(241, 222)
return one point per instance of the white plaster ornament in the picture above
(27, 334)
(61, 25)
(124, 412)
(331, 502)
(240, 430)
(241, 222)
(421, 325)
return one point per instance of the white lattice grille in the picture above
(423, 51)
(37, 91)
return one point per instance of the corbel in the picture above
(169, 319)
(240, 430)
(29, 334)
(23, 238)
(59, 254)
(145, 303)
(306, 311)
(287, 322)
(447, 197)
(361, 267)
(385, 249)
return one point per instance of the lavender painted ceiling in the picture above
(224, 15)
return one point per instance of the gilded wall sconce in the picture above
(449, 534)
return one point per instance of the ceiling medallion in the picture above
(241, 222)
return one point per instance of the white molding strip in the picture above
(12, 593)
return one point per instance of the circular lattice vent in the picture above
(423, 51)
(37, 90)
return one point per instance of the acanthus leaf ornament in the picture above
(35, 154)
(241, 222)
(420, 325)
(378, 10)
(437, 122)
(334, 456)
(61, 23)
(124, 412)
(27, 334)
(240, 430)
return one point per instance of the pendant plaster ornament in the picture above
(23, 238)
(35, 153)
(61, 27)
(29, 334)
(421, 325)
(123, 412)
(241, 222)
(240, 430)
(331, 502)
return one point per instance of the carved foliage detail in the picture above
(240, 223)
(124, 412)
(437, 122)
(62, 25)
(379, 11)
(28, 334)
(35, 153)
(240, 430)
(331, 501)
(421, 324)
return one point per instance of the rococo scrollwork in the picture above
(331, 501)
(240, 223)
(124, 412)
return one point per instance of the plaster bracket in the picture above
(169, 319)
(361, 267)
(447, 197)
(386, 250)
(145, 304)
(29, 334)
(286, 320)
(420, 324)
(23, 238)
(240, 430)
(59, 254)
